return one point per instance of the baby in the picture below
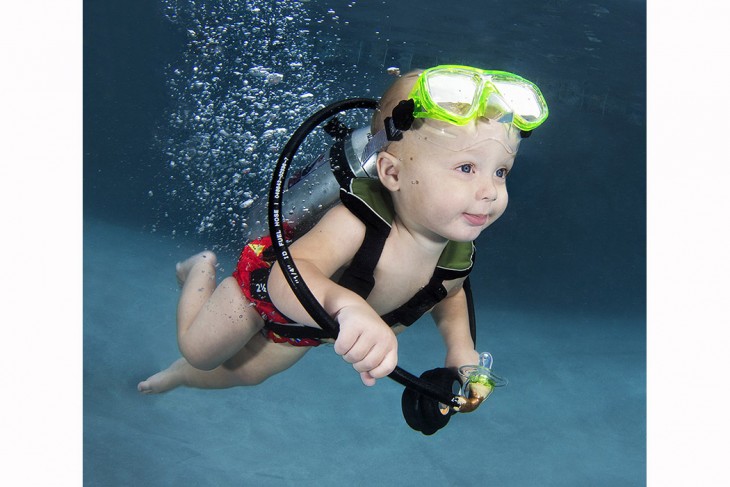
(390, 251)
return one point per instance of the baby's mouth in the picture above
(476, 220)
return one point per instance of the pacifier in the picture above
(478, 382)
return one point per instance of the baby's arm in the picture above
(452, 319)
(365, 340)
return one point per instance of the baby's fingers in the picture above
(345, 341)
(386, 366)
(367, 379)
(365, 362)
(379, 362)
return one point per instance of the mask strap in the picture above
(401, 121)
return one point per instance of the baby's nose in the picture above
(487, 190)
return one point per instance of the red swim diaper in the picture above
(252, 274)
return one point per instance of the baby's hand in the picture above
(366, 342)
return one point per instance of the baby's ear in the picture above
(389, 170)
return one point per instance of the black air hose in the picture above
(283, 257)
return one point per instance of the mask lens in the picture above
(521, 98)
(498, 109)
(453, 92)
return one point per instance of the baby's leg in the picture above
(213, 323)
(218, 335)
(196, 275)
(257, 361)
(211, 332)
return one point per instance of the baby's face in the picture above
(453, 182)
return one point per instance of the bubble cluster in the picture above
(249, 75)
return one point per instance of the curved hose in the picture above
(285, 260)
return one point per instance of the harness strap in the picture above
(295, 331)
(359, 275)
(418, 305)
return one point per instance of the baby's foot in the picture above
(182, 269)
(163, 380)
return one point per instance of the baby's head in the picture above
(453, 133)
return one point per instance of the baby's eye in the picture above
(466, 168)
(501, 173)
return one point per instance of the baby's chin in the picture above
(467, 234)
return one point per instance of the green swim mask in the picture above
(460, 94)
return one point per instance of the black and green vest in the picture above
(368, 200)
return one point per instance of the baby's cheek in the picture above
(504, 199)
(501, 210)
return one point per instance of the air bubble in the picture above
(235, 104)
(274, 78)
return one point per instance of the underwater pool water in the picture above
(187, 105)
